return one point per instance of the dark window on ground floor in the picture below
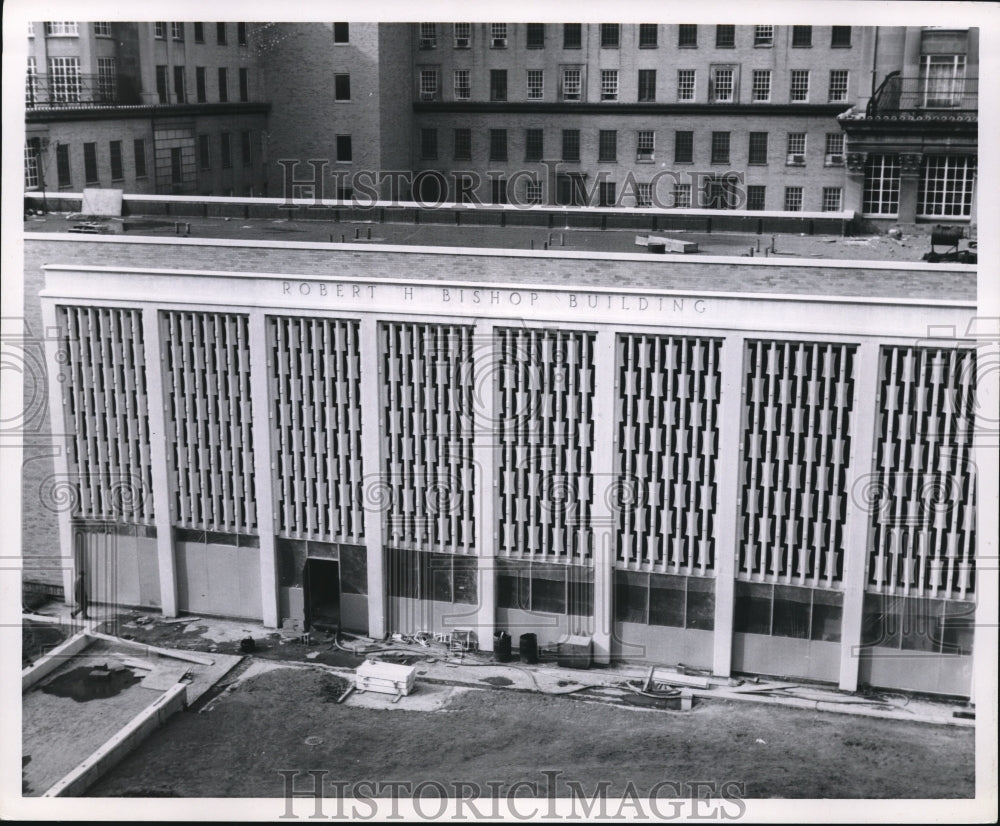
(139, 151)
(176, 165)
(787, 611)
(117, 169)
(204, 152)
(665, 599)
(432, 576)
(63, 174)
(90, 163)
(550, 588)
(943, 626)
(345, 149)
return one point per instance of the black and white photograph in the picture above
(483, 421)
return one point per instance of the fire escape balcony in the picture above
(75, 91)
(946, 98)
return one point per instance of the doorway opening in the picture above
(322, 581)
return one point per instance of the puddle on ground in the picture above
(645, 701)
(91, 683)
(497, 681)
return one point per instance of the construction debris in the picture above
(755, 688)
(660, 676)
(385, 678)
(661, 244)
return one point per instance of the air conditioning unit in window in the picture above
(834, 160)
(796, 160)
(427, 43)
(499, 42)
(427, 96)
(461, 43)
(644, 156)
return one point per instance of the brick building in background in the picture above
(878, 120)
(642, 115)
(663, 115)
(165, 108)
(338, 97)
(913, 146)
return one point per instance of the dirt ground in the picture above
(238, 745)
(37, 638)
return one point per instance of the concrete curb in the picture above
(49, 662)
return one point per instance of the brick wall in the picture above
(395, 99)
(239, 180)
(299, 62)
(628, 58)
(775, 175)
(75, 134)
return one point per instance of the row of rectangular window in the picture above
(201, 84)
(221, 32)
(607, 146)
(718, 193)
(723, 84)
(65, 82)
(225, 150)
(64, 178)
(116, 162)
(611, 36)
(945, 187)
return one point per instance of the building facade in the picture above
(724, 116)
(165, 107)
(878, 121)
(494, 440)
(913, 147)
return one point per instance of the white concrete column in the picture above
(854, 181)
(85, 40)
(858, 526)
(147, 63)
(986, 455)
(371, 462)
(602, 515)
(263, 479)
(159, 473)
(727, 510)
(60, 435)
(484, 451)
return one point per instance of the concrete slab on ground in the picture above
(86, 700)
(59, 731)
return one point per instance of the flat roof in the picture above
(874, 266)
